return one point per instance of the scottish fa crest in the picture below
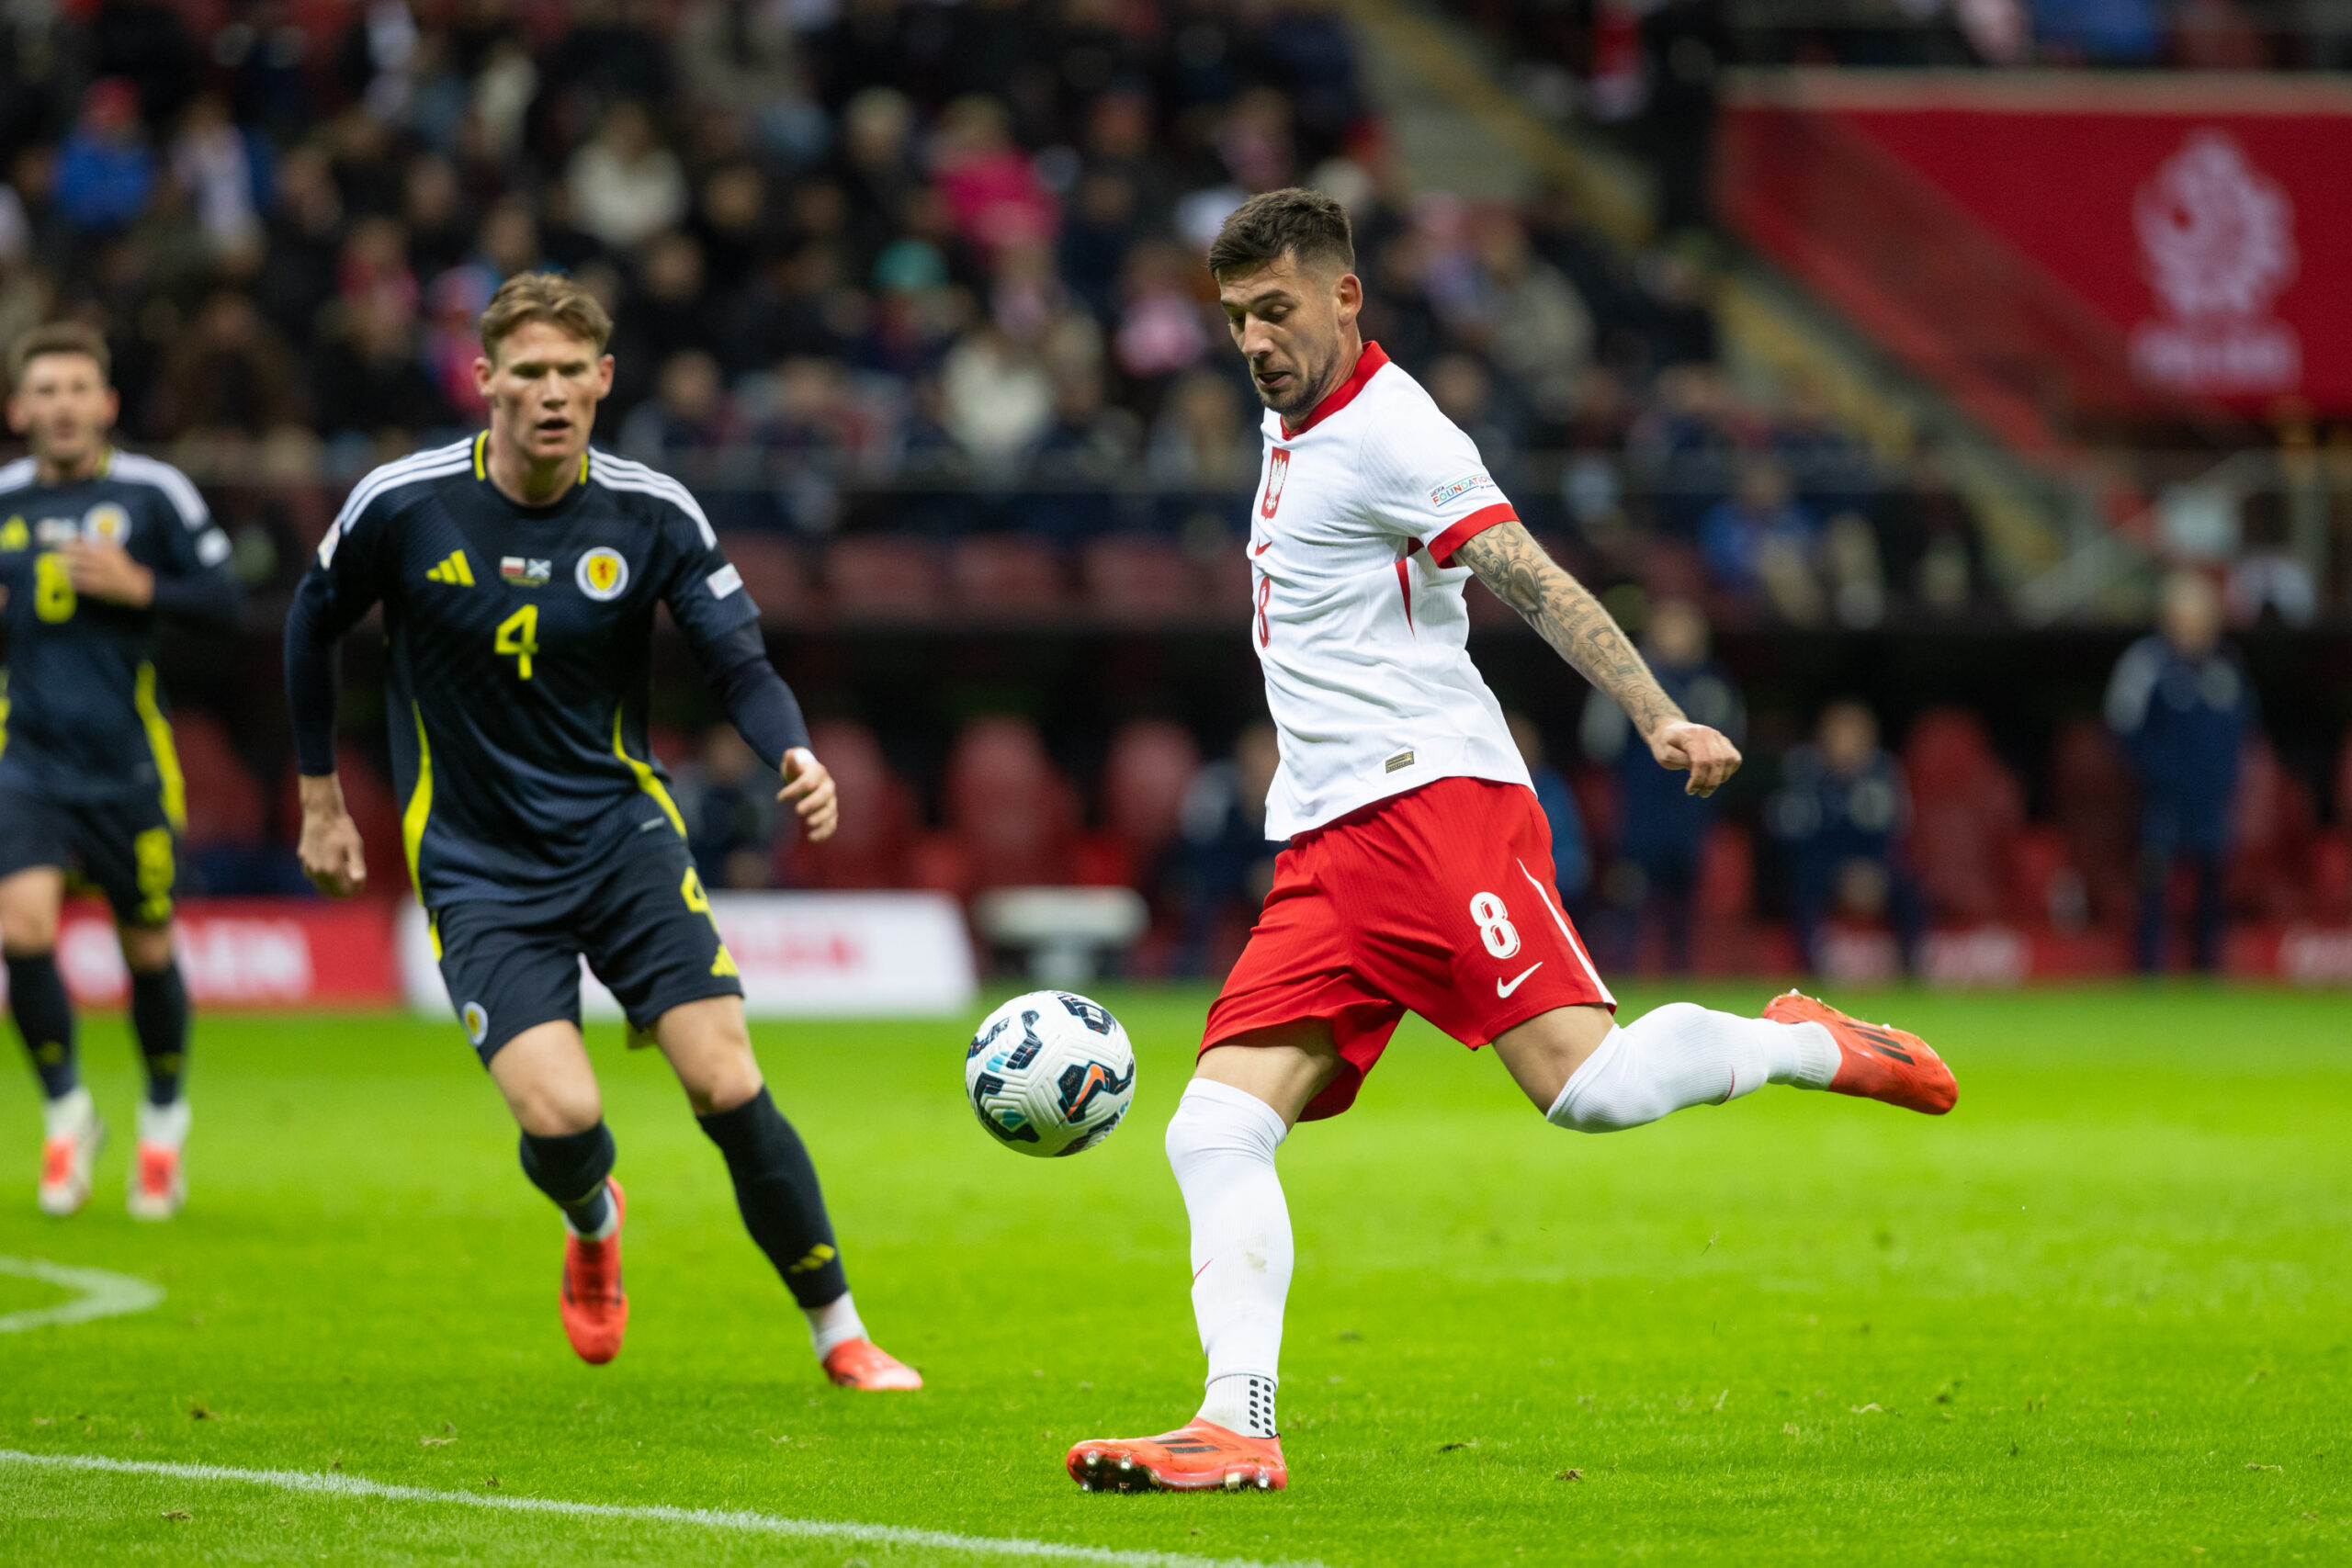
(603, 573)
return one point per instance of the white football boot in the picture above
(158, 1179)
(72, 1137)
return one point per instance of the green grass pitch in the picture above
(2098, 1315)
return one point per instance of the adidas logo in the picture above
(453, 571)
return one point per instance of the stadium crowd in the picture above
(911, 293)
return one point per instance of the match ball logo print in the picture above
(1277, 476)
(603, 573)
(2217, 245)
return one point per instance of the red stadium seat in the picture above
(1141, 581)
(2095, 806)
(1004, 575)
(1145, 777)
(224, 803)
(882, 578)
(875, 839)
(1967, 810)
(1015, 815)
(2274, 829)
(774, 575)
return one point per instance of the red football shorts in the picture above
(1440, 902)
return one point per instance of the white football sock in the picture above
(833, 1325)
(1221, 1144)
(165, 1125)
(68, 1114)
(1684, 1055)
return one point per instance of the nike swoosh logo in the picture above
(1262, 549)
(1503, 990)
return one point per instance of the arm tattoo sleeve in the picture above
(1523, 576)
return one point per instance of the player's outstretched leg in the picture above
(158, 1017)
(1221, 1144)
(783, 1207)
(70, 1131)
(575, 1170)
(1682, 1055)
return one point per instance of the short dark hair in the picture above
(59, 337)
(1302, 225)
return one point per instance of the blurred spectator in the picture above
(370, 382)
(229, 376)
(1662, 828)
(223, 171)
(106, 170)
(2182, 706)
(689, 410)
(1227, 863)
(625, 185)
(1927, 539)
(1759, 542)
(727, 796)
(1571, 856)
(1839, 814)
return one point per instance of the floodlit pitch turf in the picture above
(2098, 1314)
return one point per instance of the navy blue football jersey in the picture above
(81, 714)
(519, 645)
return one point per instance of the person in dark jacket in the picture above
(1841, 816)
(1662, 829)
(2180, 702)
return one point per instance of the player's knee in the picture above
(27, 928)
(556, 1109)
(724, 1088)
(146, 949)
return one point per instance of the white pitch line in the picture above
(103, 1294)
(334, 1485)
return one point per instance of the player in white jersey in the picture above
(1418, 874)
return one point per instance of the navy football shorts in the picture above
(125, 849)
(645, 929)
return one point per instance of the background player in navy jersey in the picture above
(518, 572)
(94, 546)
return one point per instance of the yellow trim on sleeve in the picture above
(645, 780)
(420, 805)
(172, 784)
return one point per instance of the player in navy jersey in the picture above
(95, 546)
(518, 572)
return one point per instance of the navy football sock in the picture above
(158, 1017)
(44, 1017)
(571, 1169)
(776, 1187)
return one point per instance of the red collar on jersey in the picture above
(1367, 363)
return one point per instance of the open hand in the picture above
(100, 570)
(1707, 754)
(330, 852)
(808, 790)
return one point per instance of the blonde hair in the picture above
(543, 297)
(58, 337)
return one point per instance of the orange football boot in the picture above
(863, 1364)
(1876, 1061)
(596, 1311)
(1201, 1456)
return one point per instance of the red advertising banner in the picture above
(247, 952)
(2202, 221)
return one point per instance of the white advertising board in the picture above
(802, 954)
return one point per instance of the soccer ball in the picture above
(1050, 1074)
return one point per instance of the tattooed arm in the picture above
(1523, 576)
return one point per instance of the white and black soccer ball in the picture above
(1050, 1073)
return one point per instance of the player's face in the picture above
(1293, 324)
(543, 389)
(63, 408)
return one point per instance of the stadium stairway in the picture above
(1457, 126)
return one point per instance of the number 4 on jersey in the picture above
(518, 634)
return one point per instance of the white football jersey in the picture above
(1357, 612)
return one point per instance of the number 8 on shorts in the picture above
(1494, 925)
